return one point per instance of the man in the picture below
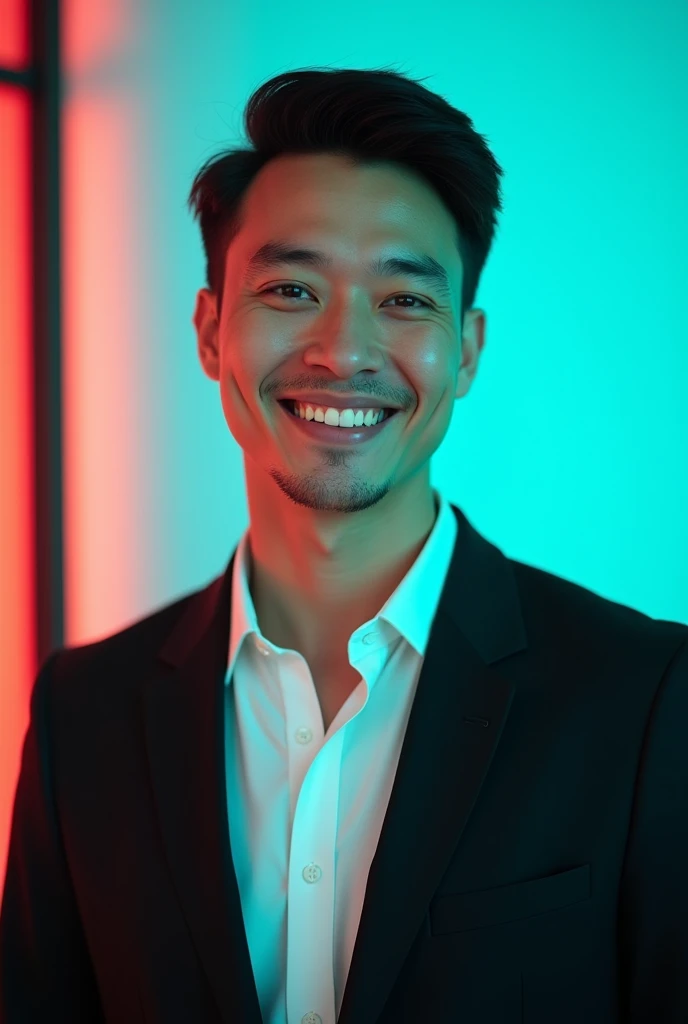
(376, 771)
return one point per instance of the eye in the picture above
(300, 288)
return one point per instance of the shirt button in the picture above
(369, 638)
(311, 1018)
(311, 873)
(262, 648)
(304, 735)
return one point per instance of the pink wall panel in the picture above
(17, 571)
(14, 37)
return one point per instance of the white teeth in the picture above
(337, 418)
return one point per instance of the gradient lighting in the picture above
(106, 406)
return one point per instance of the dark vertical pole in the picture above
(47, 287)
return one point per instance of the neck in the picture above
(316, 577)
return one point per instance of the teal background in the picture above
(571, 450)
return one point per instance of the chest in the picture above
(333, 686)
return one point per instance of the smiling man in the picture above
(339, 513)
(376, 771)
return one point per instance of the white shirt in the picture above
(306, 808)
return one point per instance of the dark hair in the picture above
(368, 116)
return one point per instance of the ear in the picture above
(472, 343)
(207, 332)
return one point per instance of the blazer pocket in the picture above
(458, 912)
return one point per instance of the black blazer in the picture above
(532, 867)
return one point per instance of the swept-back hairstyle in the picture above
(369, 116)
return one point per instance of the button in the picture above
(311, 1018)
(304, 735)
(369, 638)
(311, 873)
(261, 647)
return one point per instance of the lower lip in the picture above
(336, 435)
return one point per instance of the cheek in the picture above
(434, 416)
(434, 377)
(433, 362)
(240, 379)
(427, 424)
(248, 416)
(236, 397)
(439, 409)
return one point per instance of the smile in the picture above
(333, 434)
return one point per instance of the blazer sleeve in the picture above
(46, 974)
(653, 898)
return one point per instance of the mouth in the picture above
(333, 434)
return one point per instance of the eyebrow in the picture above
(277, 252)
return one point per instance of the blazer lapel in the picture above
(184, 729)
(457, 718)
(458, 714)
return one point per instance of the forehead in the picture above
(360, 208)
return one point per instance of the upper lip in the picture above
(339, 401)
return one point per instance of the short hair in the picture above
(371, 117)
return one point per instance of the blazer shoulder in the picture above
(560, 603)
(129, 648)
